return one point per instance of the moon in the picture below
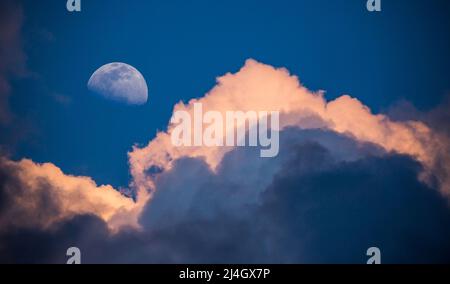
(119, 82)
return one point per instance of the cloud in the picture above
(260, 87)
(41, 195)
(438, 120)
(12, 55)
(345, 179)
(311, 204)
(230, 188)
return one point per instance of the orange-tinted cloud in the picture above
(42, 195)
(256, 87)
(260, 87)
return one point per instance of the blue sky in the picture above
(182, 46)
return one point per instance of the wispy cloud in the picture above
(12, 55)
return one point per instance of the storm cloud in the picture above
(309, 205)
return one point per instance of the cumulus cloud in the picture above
(311, 204)
(260, 87)
(41, 195)
(345, 179)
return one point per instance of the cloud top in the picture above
(260, 87)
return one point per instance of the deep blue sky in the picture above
(181, 46)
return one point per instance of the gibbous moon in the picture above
(119, 82)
